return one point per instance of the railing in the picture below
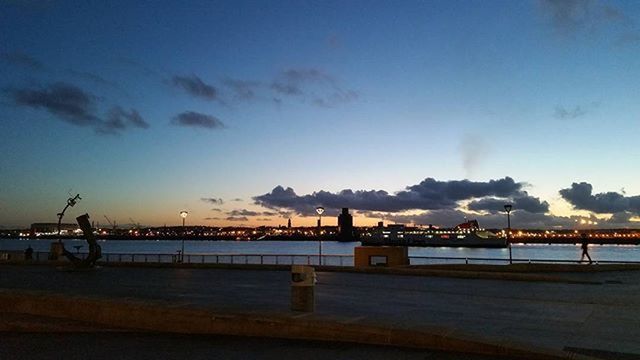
(439, 260)
(295, 259)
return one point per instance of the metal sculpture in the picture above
(95, 251)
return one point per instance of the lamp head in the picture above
(183, 214)
(508, 208)
(320, 210)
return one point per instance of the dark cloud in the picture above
(263, 219)
(194, 86)
(66, 101)
(237, 218)
(580, 196)
(526, 203)
(313, 85)
(242, 89)
(213, 200)
(216, 210)
(73, 105)
(570, 17)
(118, 120)
(429, 194)
(337, 97)
(21, 59)
(212, 218)
(245, 212)
(237, 199)
(195, 119)
(563, 113)
(285, 89)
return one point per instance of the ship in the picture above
(467, 234)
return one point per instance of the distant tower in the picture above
(345, 226)
(289, 223)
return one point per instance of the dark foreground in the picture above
(601, 317)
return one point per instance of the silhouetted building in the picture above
(345, 226)
(52, 229)
(289, 224)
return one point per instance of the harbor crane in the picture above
(112, 223)
(134, 223)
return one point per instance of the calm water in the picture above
(554, 252)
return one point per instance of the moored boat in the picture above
(467, 234)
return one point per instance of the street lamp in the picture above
(319, 210)
(507, 208)
(183, 215)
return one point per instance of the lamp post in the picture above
(183, 215)
(507, 209)
(319, 210)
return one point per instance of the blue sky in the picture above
(381, 95)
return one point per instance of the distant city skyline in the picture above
(251, 113)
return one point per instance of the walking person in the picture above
(28, 253)
(585, 249)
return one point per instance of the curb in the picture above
(161, 317)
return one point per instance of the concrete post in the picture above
(302, 288)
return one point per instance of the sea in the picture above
(520, 251)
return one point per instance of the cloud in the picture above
(526, 203)
(242, 89)
(337, 97)
(21, 59)
(429, 194)
(195, 119)
(119, 119)
(75, 106)
(563, 113)
(213, 200)
(237, 218)
(571, 17)
(285, 89)
(580, 196)
(237, 199)
(245, 212)
(263, 219)
(216, 210)
(313, 85)
(212, 218)
(195, 87)
(68, 102)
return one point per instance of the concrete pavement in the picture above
(601, 318)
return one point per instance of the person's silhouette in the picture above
(28, 253)
(585, 249)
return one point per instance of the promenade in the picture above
(595, 314)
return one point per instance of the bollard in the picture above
(56, 250)
(302, 288)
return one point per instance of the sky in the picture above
(253, 112)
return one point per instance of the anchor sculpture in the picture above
(95, 251)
